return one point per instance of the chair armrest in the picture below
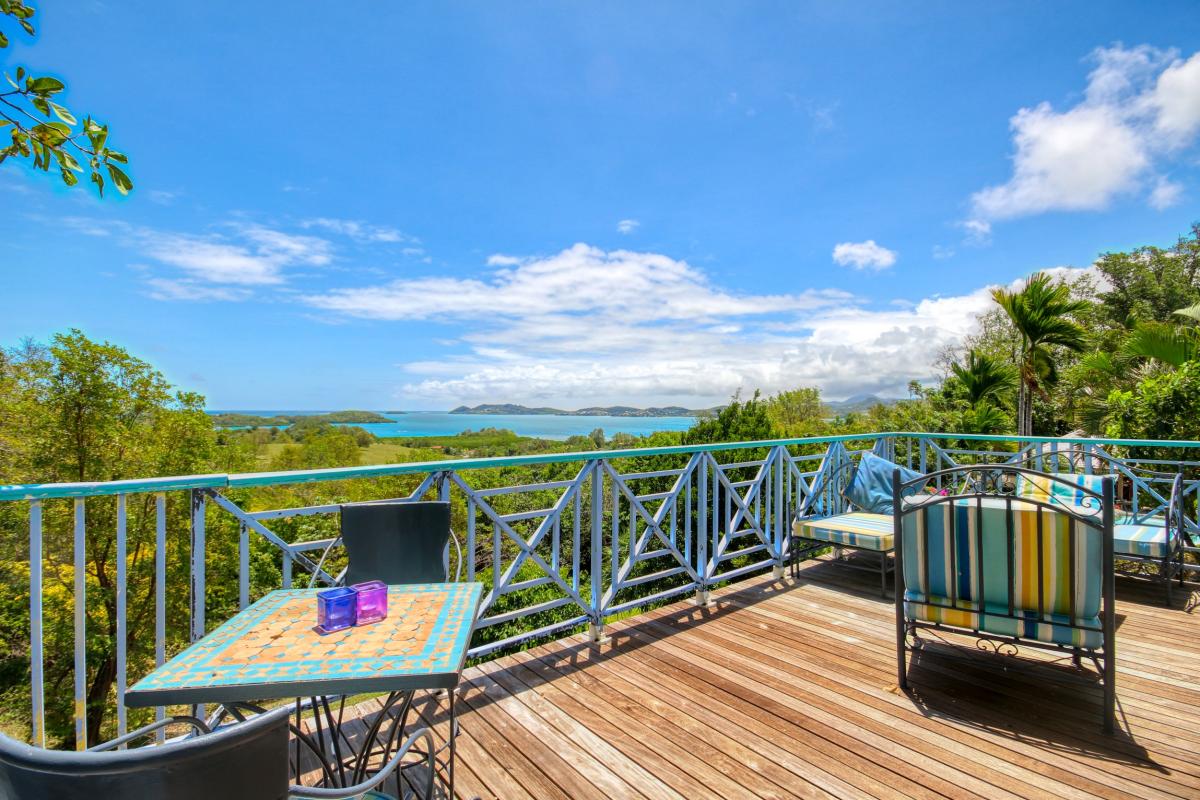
(347, 792)
(195, 722)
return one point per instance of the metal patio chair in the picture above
(246, 761)
(1008, 568)
(398, 542)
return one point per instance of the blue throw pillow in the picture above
(870, 488)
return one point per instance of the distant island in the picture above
(593, 411)
(232, 420)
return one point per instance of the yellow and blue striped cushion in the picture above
(966, 615)
(856, 529)
(1148, 540)
(1046, 490)
(942, 559)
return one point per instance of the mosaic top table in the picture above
(270, 650)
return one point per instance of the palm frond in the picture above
(1158, 341)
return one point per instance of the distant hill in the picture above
(858, 402)
(230, 420)
(592, 411)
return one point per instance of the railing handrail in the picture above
(45, 491)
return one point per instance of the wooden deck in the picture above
(788, 689)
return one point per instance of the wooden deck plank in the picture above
(785, 689)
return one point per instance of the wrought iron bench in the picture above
(818, 525)
(1008, 568)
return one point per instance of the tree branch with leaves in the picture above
(45, 131)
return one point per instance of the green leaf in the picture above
(4, 122)
(8, 78)
(3, 40)
(120, 179)
(41, 105)
(28, 28)
(69, 177)
(98, 179)
(63, 114)
(113, 155)
(20, 73)
(45, 85)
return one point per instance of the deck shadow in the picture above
(956, 682)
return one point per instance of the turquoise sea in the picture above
(544, 426)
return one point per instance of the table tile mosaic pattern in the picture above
(272, 645)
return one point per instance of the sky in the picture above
(388, 205)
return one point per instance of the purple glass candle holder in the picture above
(337, 609)
(372, 601)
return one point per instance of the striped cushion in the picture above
(966, 615)
(1140, 540)
(1050, 491)
(942, 548)
(1129, 518)
(857, 529)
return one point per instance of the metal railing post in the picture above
(36, 658)
(596, 576)
(780, 523)
(702, 534)
(198, 506)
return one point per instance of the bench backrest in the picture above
(1019, 558)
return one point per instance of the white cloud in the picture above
(360, 231)
(579, 280)
(241, 254)
(628, 226)
(256, 256)
(1140, 107)
(170, 289)
(863, 255)
(1165, 193)
(501, 260)
(586, 326)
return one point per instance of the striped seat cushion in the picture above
(856, 529)
(1129, 518)
(961, 614)
(1148, 540)
(954, 553)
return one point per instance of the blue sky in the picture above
(401, 205)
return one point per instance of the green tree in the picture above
(1042, 313)
(983, 379)
(89, 411)
(740, 421)
(798, 412)
(45, 131)
(1150, 283)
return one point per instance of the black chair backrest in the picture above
(247, 761)
(396, 542)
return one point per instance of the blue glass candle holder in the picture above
(372, 601)
(337, 609)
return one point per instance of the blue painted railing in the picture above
(611, 532)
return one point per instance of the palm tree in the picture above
(1041, 312)
(983, 378)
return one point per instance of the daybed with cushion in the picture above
(865, 521)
